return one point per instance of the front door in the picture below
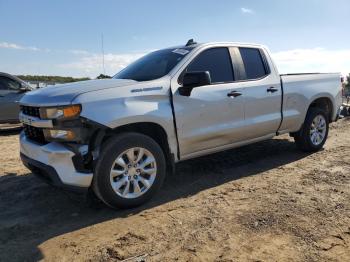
(211, 116)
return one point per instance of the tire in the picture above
(131, 186)
(304, 139)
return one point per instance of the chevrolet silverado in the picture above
(119, 137)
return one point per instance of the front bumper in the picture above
(53, 162)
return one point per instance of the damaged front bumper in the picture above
(54, 163)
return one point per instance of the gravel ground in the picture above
(263, 202)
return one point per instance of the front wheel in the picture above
(130, 170)
(314, 131)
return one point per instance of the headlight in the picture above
(60, 112)
(64, 135)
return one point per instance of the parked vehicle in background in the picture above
(119, 136)
(11, 91)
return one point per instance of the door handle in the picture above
(272, 89)
(234, 94)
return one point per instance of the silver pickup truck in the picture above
(120, 136)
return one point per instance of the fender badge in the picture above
(146, 89)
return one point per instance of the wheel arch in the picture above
(150, 129)
(324, 103)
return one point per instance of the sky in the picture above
(42, 37)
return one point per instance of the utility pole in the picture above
(103, 55)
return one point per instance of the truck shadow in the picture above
(33, 212)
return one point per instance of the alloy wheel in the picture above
(133, 172)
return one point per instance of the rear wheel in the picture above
(130, 170)
(314, 131)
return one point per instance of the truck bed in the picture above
(299, 88)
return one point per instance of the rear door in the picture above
(263, 93)
(210, 117)
(9, 98)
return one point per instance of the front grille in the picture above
(31, 111)
(34, 133)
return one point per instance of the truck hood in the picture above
(65, 93)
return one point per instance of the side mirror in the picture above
(192, 80)
(23, 89)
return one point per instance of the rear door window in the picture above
(253, 63)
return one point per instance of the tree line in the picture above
(51, 79)
(57, 79)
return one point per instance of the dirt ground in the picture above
(263, 202)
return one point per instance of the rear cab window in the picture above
(254, 63)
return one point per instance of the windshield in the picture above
(154, 65)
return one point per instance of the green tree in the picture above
(51, 79)
(102, 76)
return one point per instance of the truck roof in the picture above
(240, 44)
(224, 43)
(231, 43)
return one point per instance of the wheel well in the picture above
(325, 104)
(153, 130)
